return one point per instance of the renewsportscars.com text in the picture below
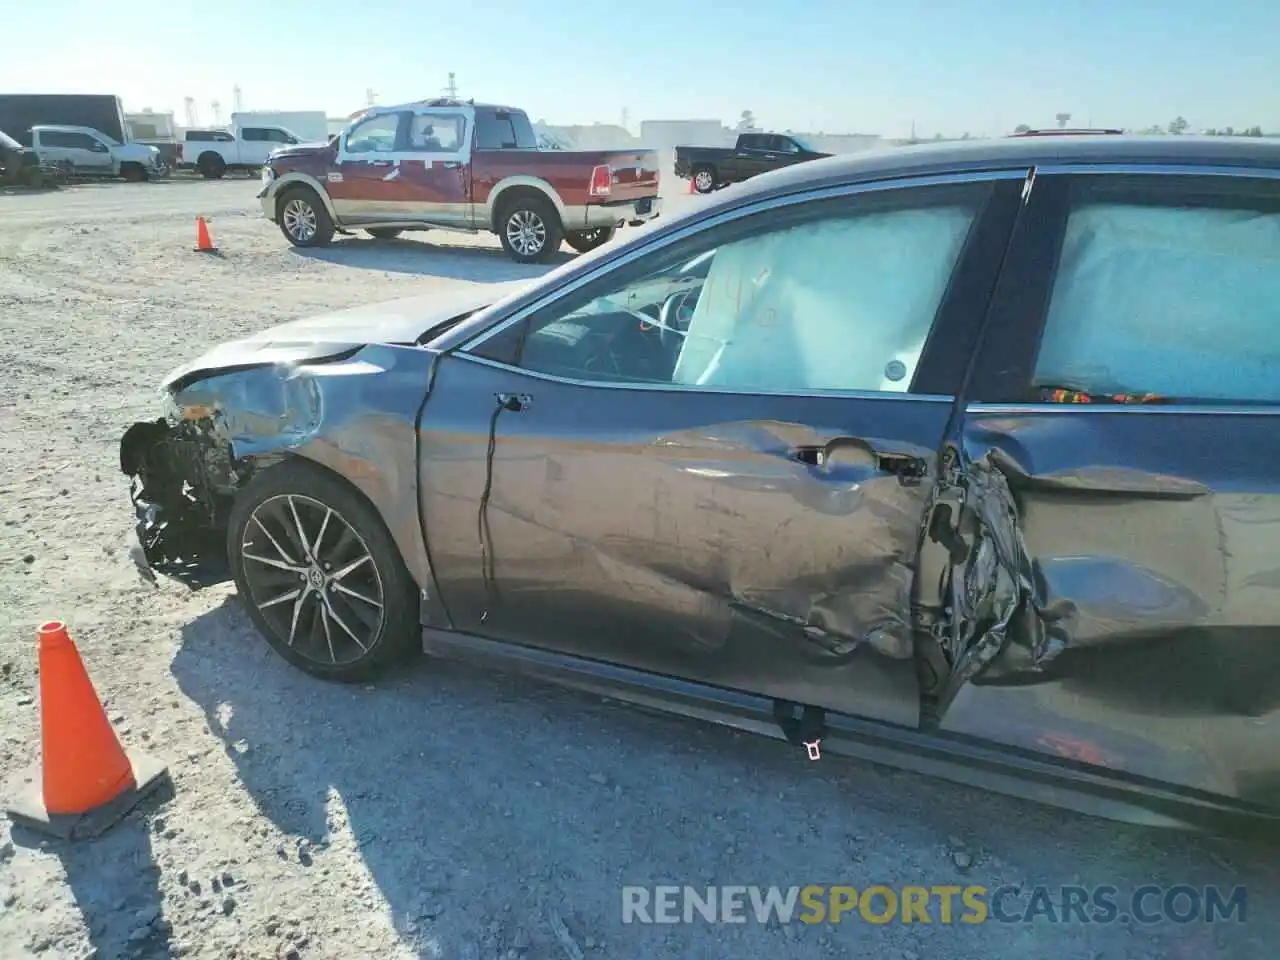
(945, 904)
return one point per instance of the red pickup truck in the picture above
(456, 165)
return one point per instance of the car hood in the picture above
(332, 334)
(298, 150)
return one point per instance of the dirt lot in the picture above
(446, 813)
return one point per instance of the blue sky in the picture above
(950, 66)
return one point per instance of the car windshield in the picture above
(8, 142)
(803, 143)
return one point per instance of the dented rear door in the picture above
(759, 538)
(1117, 563)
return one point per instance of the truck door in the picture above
(754, 155)
(434, 171)
(258, 143)
(364, 184)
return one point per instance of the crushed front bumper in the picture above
(181, 516)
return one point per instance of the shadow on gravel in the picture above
(405, 255)
(115, 883)
(481, 804)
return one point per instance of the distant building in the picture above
(668, 134)
(592, 136)
(149, 125)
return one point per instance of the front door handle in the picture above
(908, 468)
(514, 402)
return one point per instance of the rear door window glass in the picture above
(1161, 298)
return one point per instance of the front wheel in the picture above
(133, 172)
(304, 220)
(585, 241)
(530, 230)
(320, 575)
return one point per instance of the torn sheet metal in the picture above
(353, 413)
(994, 586)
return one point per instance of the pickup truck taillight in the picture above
(601, 181)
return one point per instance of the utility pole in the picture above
(451, 89)
(189, 103)
(216, 107)
(370, 98)
(237, 100)
(626, 115)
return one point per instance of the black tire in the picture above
(525, 220)
(704, 179)
(133, 172)
(384, 233)
(297, 492)
(585, 241)
(211, 166)
(298, 207)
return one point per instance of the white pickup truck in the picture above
(88, 152)
(214, 152)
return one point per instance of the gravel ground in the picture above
(446, 812)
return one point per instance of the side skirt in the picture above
(1030, 777)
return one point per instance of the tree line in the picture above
(1177, 126)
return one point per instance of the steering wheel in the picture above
(671, 329)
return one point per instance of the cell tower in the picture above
(189, 103)
(451, 89)
(216, 107)
(237, 100)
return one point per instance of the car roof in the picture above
(1013, 152)
(68, 127)
(437, 102)
(940, 159)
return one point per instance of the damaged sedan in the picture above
(960, 458)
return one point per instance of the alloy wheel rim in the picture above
(703, 180)
(300, 220)
(526, 232)
(313, 579)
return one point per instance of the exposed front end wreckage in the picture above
(341, 390)
(183, 480)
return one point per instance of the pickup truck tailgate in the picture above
(635, 174)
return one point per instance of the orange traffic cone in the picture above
(692, 188)
(87, 782)
(204, 243)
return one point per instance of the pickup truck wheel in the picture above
(303, 219)
(530, 229)
(133, 172)
(322, 579)
(211, 166)
(704, 179)
(586, 240)
(384, 233)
